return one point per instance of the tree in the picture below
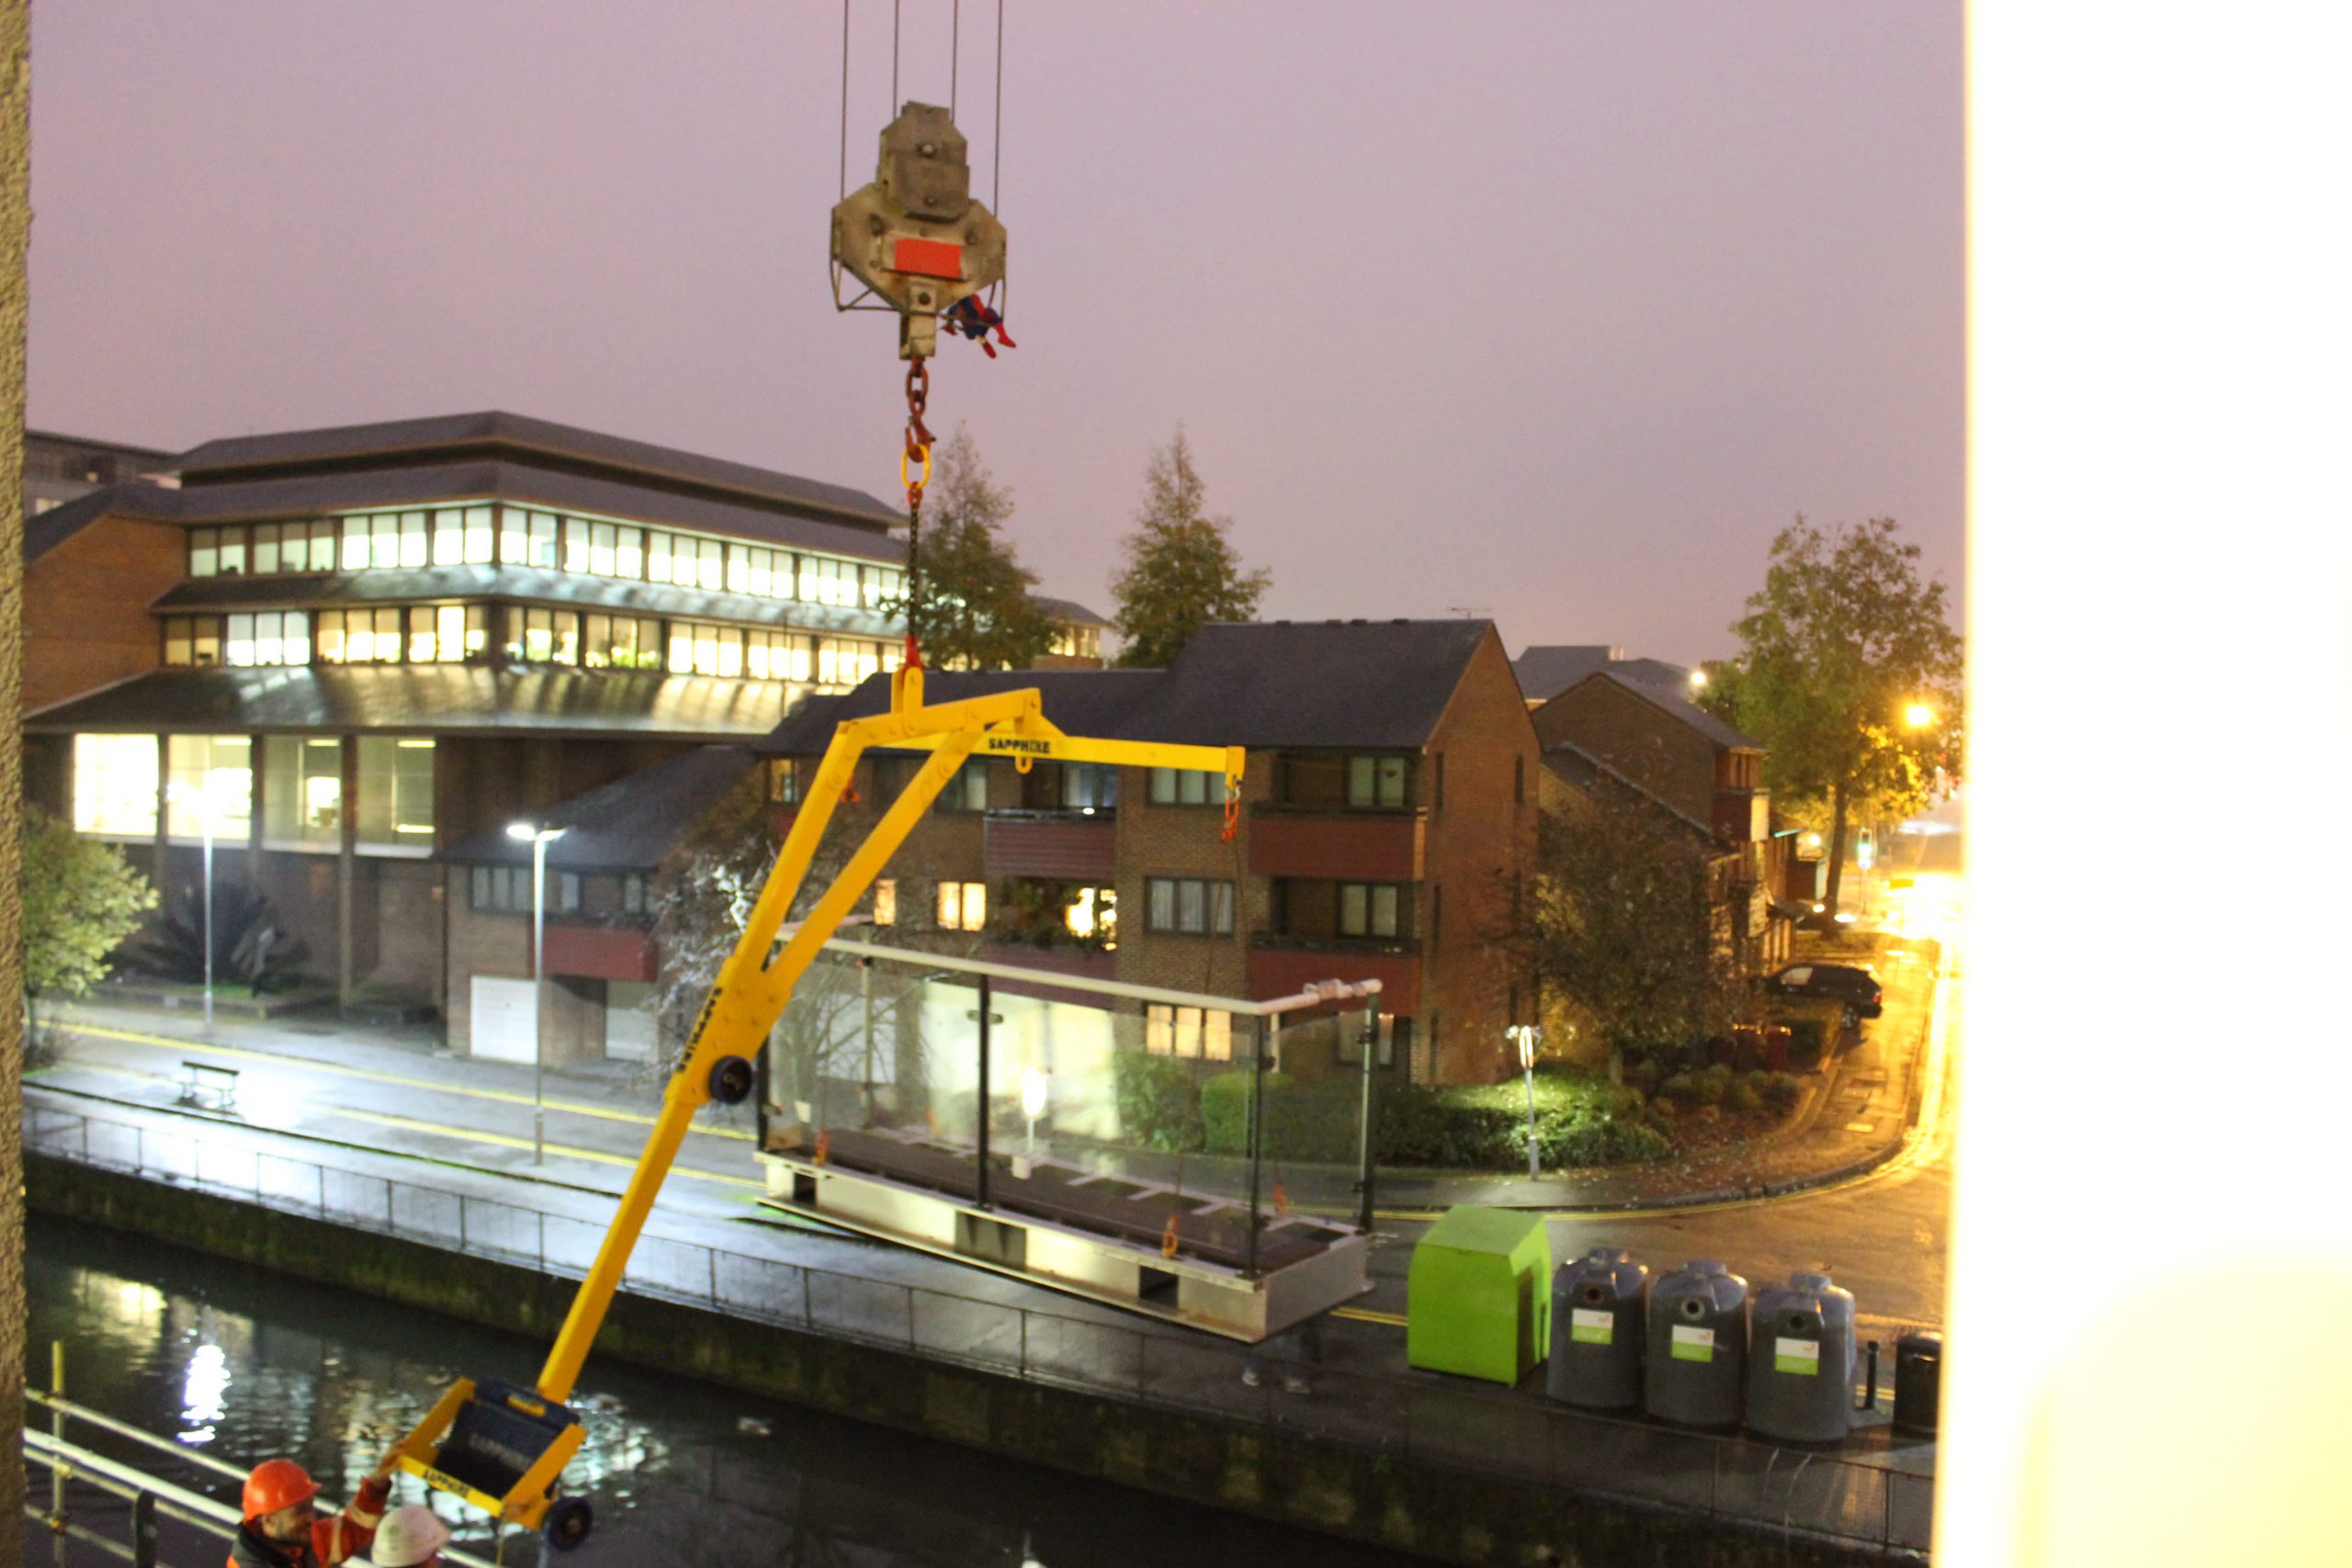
(1618, 930)
(1181, 571)
(976, 612)
(1850, 672)
(81, 901)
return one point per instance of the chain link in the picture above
(914, 466)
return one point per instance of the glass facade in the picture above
(210, 776)
(395, 794)
(302, 793)
(115, 780)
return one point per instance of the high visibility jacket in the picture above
(335, 1540)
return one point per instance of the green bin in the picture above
(1479, 1295)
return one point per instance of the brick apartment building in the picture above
(365, 646)
(1390, 796)
(1611, 730)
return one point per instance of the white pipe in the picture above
(1315, 995)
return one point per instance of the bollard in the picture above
(1869, 1387)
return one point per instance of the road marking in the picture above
(599, 1156)
(1367, 1314)
(276, 1058)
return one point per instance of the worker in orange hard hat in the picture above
(282, 1527)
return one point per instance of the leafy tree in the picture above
(1181, 572)
(976, 612)
(1840, 646)
(82, 901)
(248, 947)
(1617, 928)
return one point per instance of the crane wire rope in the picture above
(894, 56)
(844, 142)
(955, 51)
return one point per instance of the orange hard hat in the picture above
(276, 1484)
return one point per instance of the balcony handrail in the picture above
(1391, 946)
(1072, 814)
(1330, 808)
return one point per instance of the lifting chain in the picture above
(1232, 810)
(914, 469)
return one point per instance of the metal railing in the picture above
(81, 1476)
(1430, 1419)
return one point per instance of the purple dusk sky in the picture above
(1557, 310)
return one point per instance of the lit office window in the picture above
(446, 633)
(885, 901)
(114, 785)
(657, 555)
(480, 540)
(360, 636)
(542, 636)
(269, 637)
(395, 793)
(1377, 781)
(629, 553)
(623, 642)
(192, 639)
(416, 541)
(1185, 787)
(704, 648)
(600, 548)
(769, 656)
(210, 774)
(1188, 906)
(576, 552)
(204, 552)
(232, 552)
(541, 550)
(266, 548)
(302, 793)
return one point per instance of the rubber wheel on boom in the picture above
(730, 1080)
(568, 1522)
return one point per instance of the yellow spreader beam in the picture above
(502, 1447)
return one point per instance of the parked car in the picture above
(1858, 988)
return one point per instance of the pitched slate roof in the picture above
(135, 499)
(1545, 672)
(1674, 699)
(536, 441)
(1293, 684)
(421, 699)
(631, 824)
(1069, 612)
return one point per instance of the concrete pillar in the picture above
(346, 869)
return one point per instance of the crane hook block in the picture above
(915, 236)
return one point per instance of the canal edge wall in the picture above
(1342, 1489)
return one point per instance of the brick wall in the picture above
(1483, 831)
(1633, 736)
(87, 623)
(1183, 841)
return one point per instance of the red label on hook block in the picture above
(927, 259)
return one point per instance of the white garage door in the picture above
(506, 1018)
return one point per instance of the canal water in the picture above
(246, 1364)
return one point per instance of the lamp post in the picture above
(539, 838)
(1529, 1038)
(202, 800)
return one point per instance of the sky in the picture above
(1553, 313)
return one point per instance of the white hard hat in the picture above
(409, 1535)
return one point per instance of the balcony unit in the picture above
(1336, 844)
(1283, 965)
(1055, 846)
(601, 953)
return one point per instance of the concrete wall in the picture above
(1361, 1494)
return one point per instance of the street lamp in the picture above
(202, 800)
(1919, 715)
(1033, 1085)
(1529, 1038)
(1698, 681)
(539, 838)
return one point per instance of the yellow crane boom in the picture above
(502, 1447)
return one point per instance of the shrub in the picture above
(1158, 1105)
(1744, 1098)
(1780, 1090)
(1643, 1073)
(1224, 1111)
(1580, 1119)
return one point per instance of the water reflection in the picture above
(247, 1364)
